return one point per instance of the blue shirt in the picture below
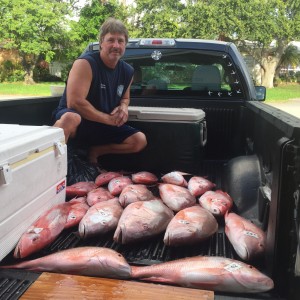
(108, 85)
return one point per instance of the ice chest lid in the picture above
(19, 141)
(165, 113)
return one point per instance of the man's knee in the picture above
(140, 142)
(69, 123)
(71, 118)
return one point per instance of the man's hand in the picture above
(120, 114)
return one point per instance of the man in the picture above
(94, 107)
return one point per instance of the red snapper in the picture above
(43, 231)
(190, 226)
(141, 220)
(247, 239)
(176, 197)
(100, 218)
(217, 202)
(88, 261)
(209, 273)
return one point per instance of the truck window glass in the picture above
(177, 73)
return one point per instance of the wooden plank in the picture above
(66, 287)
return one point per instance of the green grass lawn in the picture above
(39, 89)
(281, 93)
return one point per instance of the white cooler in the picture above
(33, 169)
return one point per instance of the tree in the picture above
(91, 17)
(291, 56)
(261, 28)
(156, 18)
(35, 28)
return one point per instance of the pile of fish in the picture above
(186, 212)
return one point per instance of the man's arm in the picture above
(78, 86)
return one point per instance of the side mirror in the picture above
(261, 93)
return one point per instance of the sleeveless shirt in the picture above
(108, 85)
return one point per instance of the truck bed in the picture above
(16, 282)
(235, 129)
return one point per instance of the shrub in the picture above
(42, 74)
(65, 72)
(11, 72)
(298, 76)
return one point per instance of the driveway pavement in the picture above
(292, 106)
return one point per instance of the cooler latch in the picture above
(5, 174)
(203, 134)
(59, 149)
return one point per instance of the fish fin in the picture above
(158, 279)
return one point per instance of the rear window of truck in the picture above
(181, 72)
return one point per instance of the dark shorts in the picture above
(93, 133)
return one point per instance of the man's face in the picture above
(113, 47)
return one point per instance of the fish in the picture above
(247, 239)
(190, 226)
(87, 261)
(175, 177)
(80, 189)
(198, 185)
(106, 177)
(144, 177)
(43, 231)
(218, 274)
(117, 184)
(98, 195)
(133, 193)
(78, 208)
(176, 197)
(141, 220)
(217, 202)
(101, 218)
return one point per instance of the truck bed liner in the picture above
(14, 282)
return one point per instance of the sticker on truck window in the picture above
(61, 186)
(156, 55)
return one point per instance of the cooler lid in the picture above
(19, 141)
(165, 114)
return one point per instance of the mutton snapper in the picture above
(190, 226)
(141, 220)
(247, 239)
(101, 218)
(88, 261)
(209, 273)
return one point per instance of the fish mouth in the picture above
(17, 253)
(242, 252)
(167, 239)
(260, 284)
(82, 231)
